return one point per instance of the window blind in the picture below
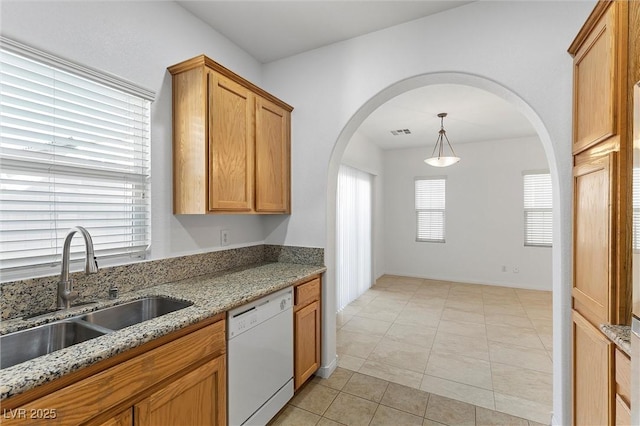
(73, 151)
(353, 235)
(538, 213)
(636, 209)
(430, 195)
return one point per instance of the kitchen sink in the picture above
(24, 345)
(137, 311)
(27, 344)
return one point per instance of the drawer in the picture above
(623, 413)
(307, 292)
(623, 376)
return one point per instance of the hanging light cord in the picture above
(442, 134)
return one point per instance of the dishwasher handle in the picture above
(239, 314)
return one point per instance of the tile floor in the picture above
(484, 345)
(351, 398)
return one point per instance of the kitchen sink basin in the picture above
(24, 345)
(27, 344)
(137, 311)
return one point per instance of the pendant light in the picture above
(438, 157)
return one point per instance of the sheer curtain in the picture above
(353, 234)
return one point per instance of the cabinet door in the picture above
(123, 419)
(272, 157)
(595, 81)
(306, 325)
(593, 231)
(197, 398)
(592, 384)
(623, 412)
(190, 166)
(231, 145)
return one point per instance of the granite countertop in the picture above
(618, 334)
(210, 294)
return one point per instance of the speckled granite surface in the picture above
(618, 334)
(291, 254)
(25, 297)
(211, 294)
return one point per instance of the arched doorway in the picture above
(561, 266)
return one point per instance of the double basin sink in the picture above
(24, 345)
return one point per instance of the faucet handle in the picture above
(65, 295)
(73, 295)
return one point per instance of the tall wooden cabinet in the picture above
(594, 231)
(231, 143)
(602, 164)
(605, 53)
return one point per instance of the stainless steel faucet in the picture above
(66, 295)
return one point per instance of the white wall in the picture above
(516, 50)
(138, 41)
(364, 155)
(484, 216)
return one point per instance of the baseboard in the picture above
(468, 281)
(326, 370)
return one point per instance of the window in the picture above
(74, 150)
(538, 214)
(430, 205)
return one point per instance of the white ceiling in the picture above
(474, 115)
(271, 30)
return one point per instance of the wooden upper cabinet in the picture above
(231, 143)
(600, 77)
(594, 81)
(190, 165)
(272, 157)
(593, 233)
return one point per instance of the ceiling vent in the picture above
(400, 132)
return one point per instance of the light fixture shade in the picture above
(441, 161)
(438, 157)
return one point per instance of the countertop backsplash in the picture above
(29, 297)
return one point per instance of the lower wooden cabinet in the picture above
(592, 367)
(623, 388)
(623, 412)
(306, 331)
(179, 379)
(306, 325)
(125, 418)
(197, 398)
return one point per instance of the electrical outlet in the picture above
(224, 237)
(516, 269)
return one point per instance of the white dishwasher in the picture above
(260, 354)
